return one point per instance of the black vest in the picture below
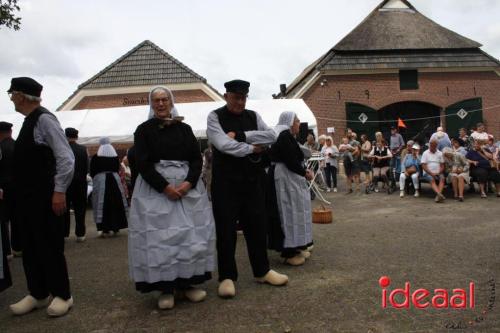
(34, 164)
(381, 163)
(236, 168)
(81, 162)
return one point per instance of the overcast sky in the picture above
(267, 42)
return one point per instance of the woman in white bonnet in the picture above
(171, 233)
(108, 197)
(289, 204)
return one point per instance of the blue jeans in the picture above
(396, 163)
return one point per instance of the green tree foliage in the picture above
(8, 18)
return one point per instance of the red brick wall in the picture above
(113, 101)
(441, 89)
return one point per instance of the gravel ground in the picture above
(411, 239)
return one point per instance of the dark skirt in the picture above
(168, 287)
(356, 167)
(347, 167)
(114, 216)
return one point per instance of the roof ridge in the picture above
(114, 63)
(146, 42)
(370, 23)
(178, 62)
(406, 2)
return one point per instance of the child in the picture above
(346, 149)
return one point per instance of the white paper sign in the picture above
(330, 130)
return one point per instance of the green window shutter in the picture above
(408, 79)
(454, 122)
(355, 112)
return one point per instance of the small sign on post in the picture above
(330, 130)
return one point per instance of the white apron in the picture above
(170, 239)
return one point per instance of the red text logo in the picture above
(423, 298)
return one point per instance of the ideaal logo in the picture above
(440, 299)
(423, 298)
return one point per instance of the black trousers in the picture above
(8, 223)
(6, 281)
(43, 247)
(242, 202)
(482, 175)
(330, 173)
(76, 197)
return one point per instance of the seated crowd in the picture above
(442, 161)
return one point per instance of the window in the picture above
(408, 79)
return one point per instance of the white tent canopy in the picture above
(119, 124)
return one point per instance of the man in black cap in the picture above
(76, 195)
(43, 168)
(238, 189)
(7, 207)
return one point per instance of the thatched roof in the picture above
(401, 29)
(396, 36)
(408, 59)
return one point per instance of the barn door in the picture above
(458, 115)
(359, 117)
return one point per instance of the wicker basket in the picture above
(322, 215)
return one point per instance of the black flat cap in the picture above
(5, 126)
(25, 85)
(237, 86)
(71, 133)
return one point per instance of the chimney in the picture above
(283, 89)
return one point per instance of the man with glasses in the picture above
(238, 186)
(43, 169)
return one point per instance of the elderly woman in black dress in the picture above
(171, 232)
(289, 199)
(108, 196)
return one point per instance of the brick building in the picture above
(128, 80)
(397, 63)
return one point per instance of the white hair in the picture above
(31, 98)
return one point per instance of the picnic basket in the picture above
(322, 215)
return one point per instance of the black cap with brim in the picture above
(71, 133)
(5, 126)
(237, 86)
(25, 85)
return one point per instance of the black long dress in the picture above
(114, 216)
(154, 142)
